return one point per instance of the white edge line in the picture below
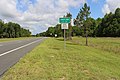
(18, 48)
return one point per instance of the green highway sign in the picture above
(64, 20)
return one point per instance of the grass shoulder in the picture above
(50, 61)
(12, 39)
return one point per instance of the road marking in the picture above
(19, 48)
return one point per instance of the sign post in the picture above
(64, 25)
(64, 40)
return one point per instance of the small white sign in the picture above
(64, 25)
(55, 35)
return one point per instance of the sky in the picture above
(38, 15)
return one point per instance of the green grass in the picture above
(106, 44)
(49, 61)
(11, 39)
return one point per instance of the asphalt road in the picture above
(11, 52)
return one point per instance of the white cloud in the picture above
(106, 9)
(110, 6)
(8, 8)
(41, 15)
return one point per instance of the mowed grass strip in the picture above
(49, 61)
(12, 39)
(106, 44)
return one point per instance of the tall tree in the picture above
(117, 13)
(82, 21)
(110, 25)
(79, 19)
(86, 13)
(1, 28)
(58, 30)
(70, 26)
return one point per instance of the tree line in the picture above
(12, 30)
(108, 26)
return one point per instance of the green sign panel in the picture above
(64, 20)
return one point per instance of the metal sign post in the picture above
(64, 40)
(64, 25)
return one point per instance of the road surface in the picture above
(11, 52)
